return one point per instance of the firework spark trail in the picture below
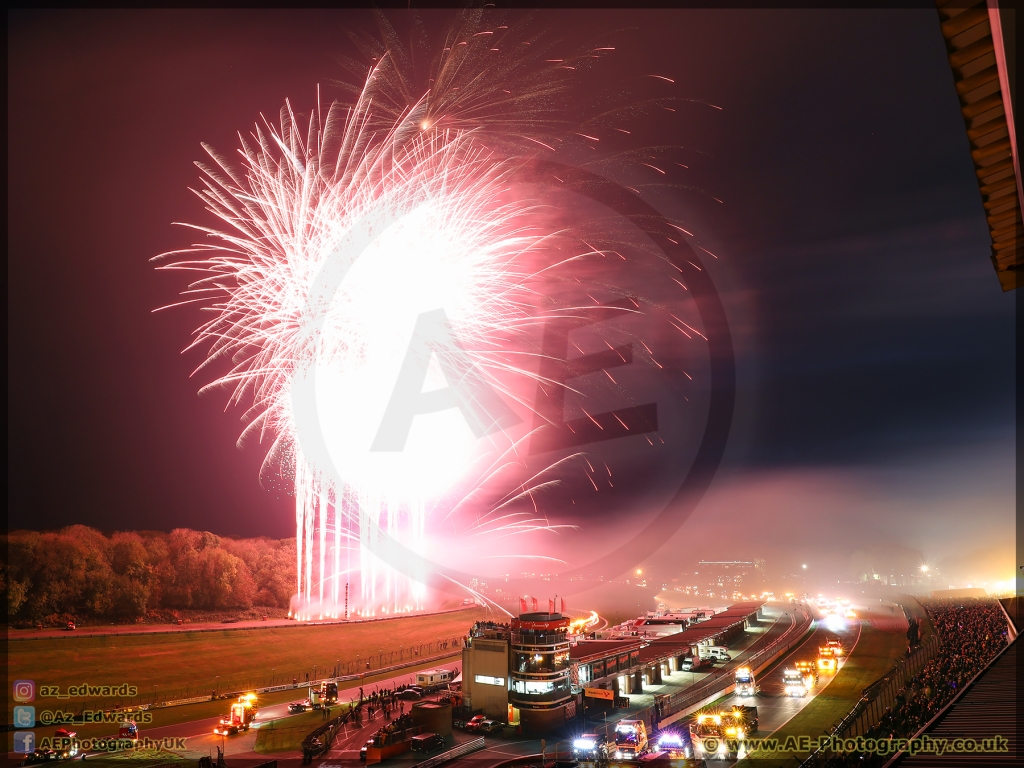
(432, 201)
(337, 232)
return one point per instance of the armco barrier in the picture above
(451, 754)
(83, 632)
(295, 686)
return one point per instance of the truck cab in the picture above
(793, 681)
(745, 683)
(827, 661)
(329, 692)
(676, 743)
(590, 748)
(630, 739)
(740, 722)
(240, 716)
(809, 673)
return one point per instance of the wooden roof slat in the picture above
(964, 20)
(983, 129)
(971, 52)
(974, 82)
(975, 109)
(970, 35)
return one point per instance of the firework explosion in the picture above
(383, 241)
(378, 288)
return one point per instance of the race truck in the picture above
(316, 698)
(827, 661)
(707, 734)
(745, 684)
(739, 722)
(127, 729)
(836, 645)
(674, 743)
(329, 692)
(793, 682)
(240, 717)
(65, 743)
(809, 671)
(590, 749)
(722, 735)
(630, 739)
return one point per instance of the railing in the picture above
(718, 682)
(539, 640)
(319, 741)
(451, 754)
(516, 698)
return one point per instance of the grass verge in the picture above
(286, 734)
(873, 656)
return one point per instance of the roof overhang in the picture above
(981, 44)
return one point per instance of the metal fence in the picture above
(878, 697)
(451, 754)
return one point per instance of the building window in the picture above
(488, 680)
(533, 687)
(537, 662)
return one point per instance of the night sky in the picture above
(875, 349)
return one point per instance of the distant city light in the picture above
(924, 569)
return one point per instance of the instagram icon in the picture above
(24, 690)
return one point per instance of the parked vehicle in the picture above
(296, 707)
(491, 726)
(691, 664)
(713, 652)
(408, 695)
(431, 679)
(426, 742)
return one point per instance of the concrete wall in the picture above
(490, 659)
(539, 721)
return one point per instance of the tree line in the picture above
(81, 572)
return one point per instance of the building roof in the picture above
(596, 649)
(981, 46)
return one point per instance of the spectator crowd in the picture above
(971, 632)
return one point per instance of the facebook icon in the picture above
(24, 741)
